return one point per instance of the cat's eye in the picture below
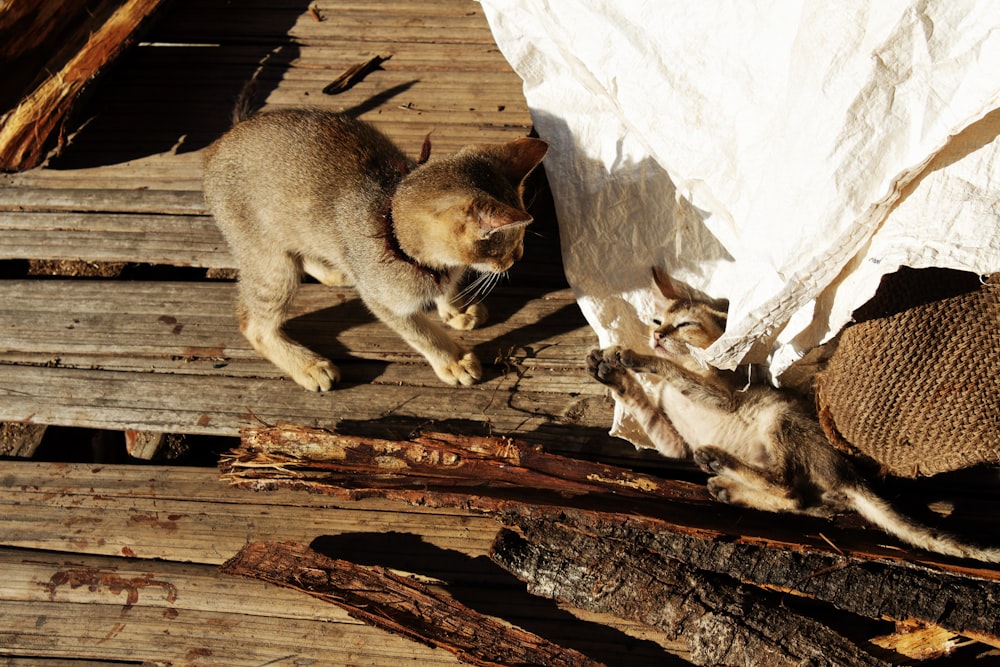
(657, 321)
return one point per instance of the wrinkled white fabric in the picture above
(782, 155)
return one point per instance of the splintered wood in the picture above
(391, 602)
(99, 33)
(735, 587)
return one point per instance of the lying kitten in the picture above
(763, 448)
(320, 192)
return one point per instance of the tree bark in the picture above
(390, 602)
(721, 621)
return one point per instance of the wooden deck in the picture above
(117, 330)
(114, 321)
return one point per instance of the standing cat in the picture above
(321, 192)
(762, 447)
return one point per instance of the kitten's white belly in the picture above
(702, 426)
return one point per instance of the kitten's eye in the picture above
(657, 321)
(686, 324)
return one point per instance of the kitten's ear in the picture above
(494, 215)
(667, 287)
(520, 157)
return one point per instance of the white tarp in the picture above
(782, 155)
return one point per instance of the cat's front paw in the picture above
(468, 319)
(465, 371)
(318, 374)
(604, 367)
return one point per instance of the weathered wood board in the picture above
(168, 357)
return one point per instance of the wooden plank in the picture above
(179, 240)
(170, 613)
(104, 200)
(172, 326)
(122, 355)
(189, 515)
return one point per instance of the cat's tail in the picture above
(877, 510)
(246, 102)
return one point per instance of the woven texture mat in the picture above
(916, 389)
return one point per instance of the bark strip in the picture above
(388, 601)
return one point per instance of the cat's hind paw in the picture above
(465, 371)
(317, 375)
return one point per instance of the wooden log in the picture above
(960, 598)
(722, 622)
(399, 605)
(26, 131)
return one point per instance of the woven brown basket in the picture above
(917, 392)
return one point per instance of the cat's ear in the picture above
(667, 287)
(520, 157)
(493, 215)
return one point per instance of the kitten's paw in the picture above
(472, 317)
(603, 367)
(464, 371)
(720, 489)
(705, 460)
(318, 374)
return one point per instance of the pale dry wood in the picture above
(146, 323)
(188, 404)
(143, 444)
(188, 515)
(135, 356)
(102, 200)
(153, 239)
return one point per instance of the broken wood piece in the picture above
(143, 444)
(721, 621)
(919, 641)
(354, 75)
(20, 439)
(391, 602)
(100, 34)
(438, 469)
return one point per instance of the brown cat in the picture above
(321, 192)
(762, 447)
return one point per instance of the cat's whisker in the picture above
(483, 285)
(473, 287)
